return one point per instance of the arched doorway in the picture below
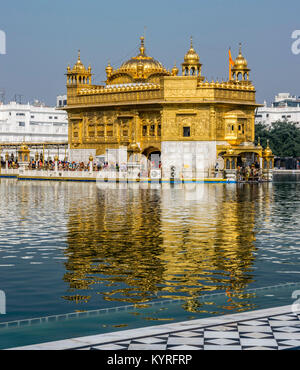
(153, 156)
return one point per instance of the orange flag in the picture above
(231, 63)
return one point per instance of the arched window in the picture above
(227, 164)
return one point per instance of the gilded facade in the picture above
(146, 109)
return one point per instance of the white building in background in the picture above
(61, 101)
(284, 108)
(32, 123)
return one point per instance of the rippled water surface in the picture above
(75, 246)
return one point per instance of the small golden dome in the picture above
(91, 158)
(191, 57)
(268, 151)
(240, 62)
(56, 158)
(78, 67)
(175, 70)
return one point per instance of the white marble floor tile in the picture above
(259, 348)
(250, 328)
(258, 342)
(195, 341)
(257, 335)
(287, 329)
(287, 335)
(143, 346)
(221, 341)
(221, 334)
(184, 347)
(110, 346)
(223, 328)
(291, 342)
(220, 348)
(188, 334)
(150, 340)
(254, 322)
(275, 323)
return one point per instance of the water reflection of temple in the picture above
(136, 245)
(208, 241)
(115, 240)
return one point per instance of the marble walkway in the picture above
(272, 329)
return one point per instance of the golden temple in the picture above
(145, 108)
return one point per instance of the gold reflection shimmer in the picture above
(133, 245)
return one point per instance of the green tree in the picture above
(283, 136)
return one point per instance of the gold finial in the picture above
(191, 42)
(268, 151)
(142, 48)
(79, 55)
(240, 48)
(258, 141)
(175, 70)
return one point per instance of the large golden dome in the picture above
(140, 67)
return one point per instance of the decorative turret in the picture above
(191, 65)
(23, 156)
(79, 75)
(240, 70)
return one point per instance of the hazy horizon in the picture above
(43, 37)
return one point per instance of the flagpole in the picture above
(229, 66)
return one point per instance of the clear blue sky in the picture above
(43, 36)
